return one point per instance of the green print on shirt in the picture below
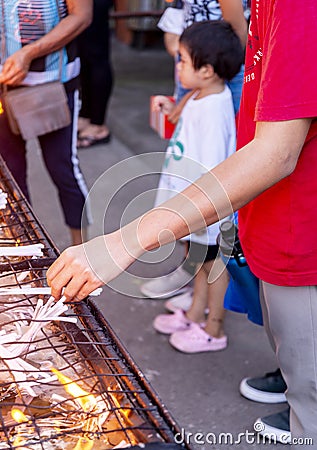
(175, 148)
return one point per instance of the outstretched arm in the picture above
(268, 158)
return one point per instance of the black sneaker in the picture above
(275, 427)
(268, 389)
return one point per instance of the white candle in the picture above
(36, 291)
(22, 250)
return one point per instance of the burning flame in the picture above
(18, 415)
(87, 401)
(84, 444)
(125, 412)
(1, 108)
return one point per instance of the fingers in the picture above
(80, 292)
(71, 276)
(12, 74)
(56, 277)
(158, 102)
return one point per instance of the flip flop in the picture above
(90, 141)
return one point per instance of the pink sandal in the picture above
(169, 323)
(196, 340)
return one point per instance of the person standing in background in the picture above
(210, 53)
(236, 13)
(35, 32)
(96, 78)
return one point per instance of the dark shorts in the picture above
(199, 253)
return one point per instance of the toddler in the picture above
(210, 53)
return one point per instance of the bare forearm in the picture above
(271, 156)
(228, 187)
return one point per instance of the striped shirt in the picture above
(26, 21)
(200, 10)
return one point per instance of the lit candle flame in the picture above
(87, 401)
(1, 108)
(84, 444)
(18, 415)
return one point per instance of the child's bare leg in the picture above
(217, 286)
(196, 312)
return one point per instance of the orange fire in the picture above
(84, 444)
(1, 108)
(87, 401)
(125, 412)
(18, 415)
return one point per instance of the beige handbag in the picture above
(35, 110)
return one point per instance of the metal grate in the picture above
(113, 405)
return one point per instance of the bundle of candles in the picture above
(20, 328)
(30, 374)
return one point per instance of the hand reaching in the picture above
(83, 268)
(15, 68)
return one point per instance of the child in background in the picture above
(173, 22)
(205, 135)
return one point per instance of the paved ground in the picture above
(201, 391)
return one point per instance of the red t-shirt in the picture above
(278, 228)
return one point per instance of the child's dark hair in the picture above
(214, 42)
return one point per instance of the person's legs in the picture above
(84, 115)
(292, 321)
(60, 157)
(13, 152)
(269, 388)
(216, 292)
(196, 312)
(96, 81)
(100, 88)
(96, 76)
(210, 285)
(209, 295)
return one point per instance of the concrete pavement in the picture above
(201, 391)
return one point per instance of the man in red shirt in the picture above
(272, 178)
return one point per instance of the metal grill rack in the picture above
(115, 405)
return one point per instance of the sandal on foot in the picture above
(169, 323)
(196, 340)
(90, 141)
